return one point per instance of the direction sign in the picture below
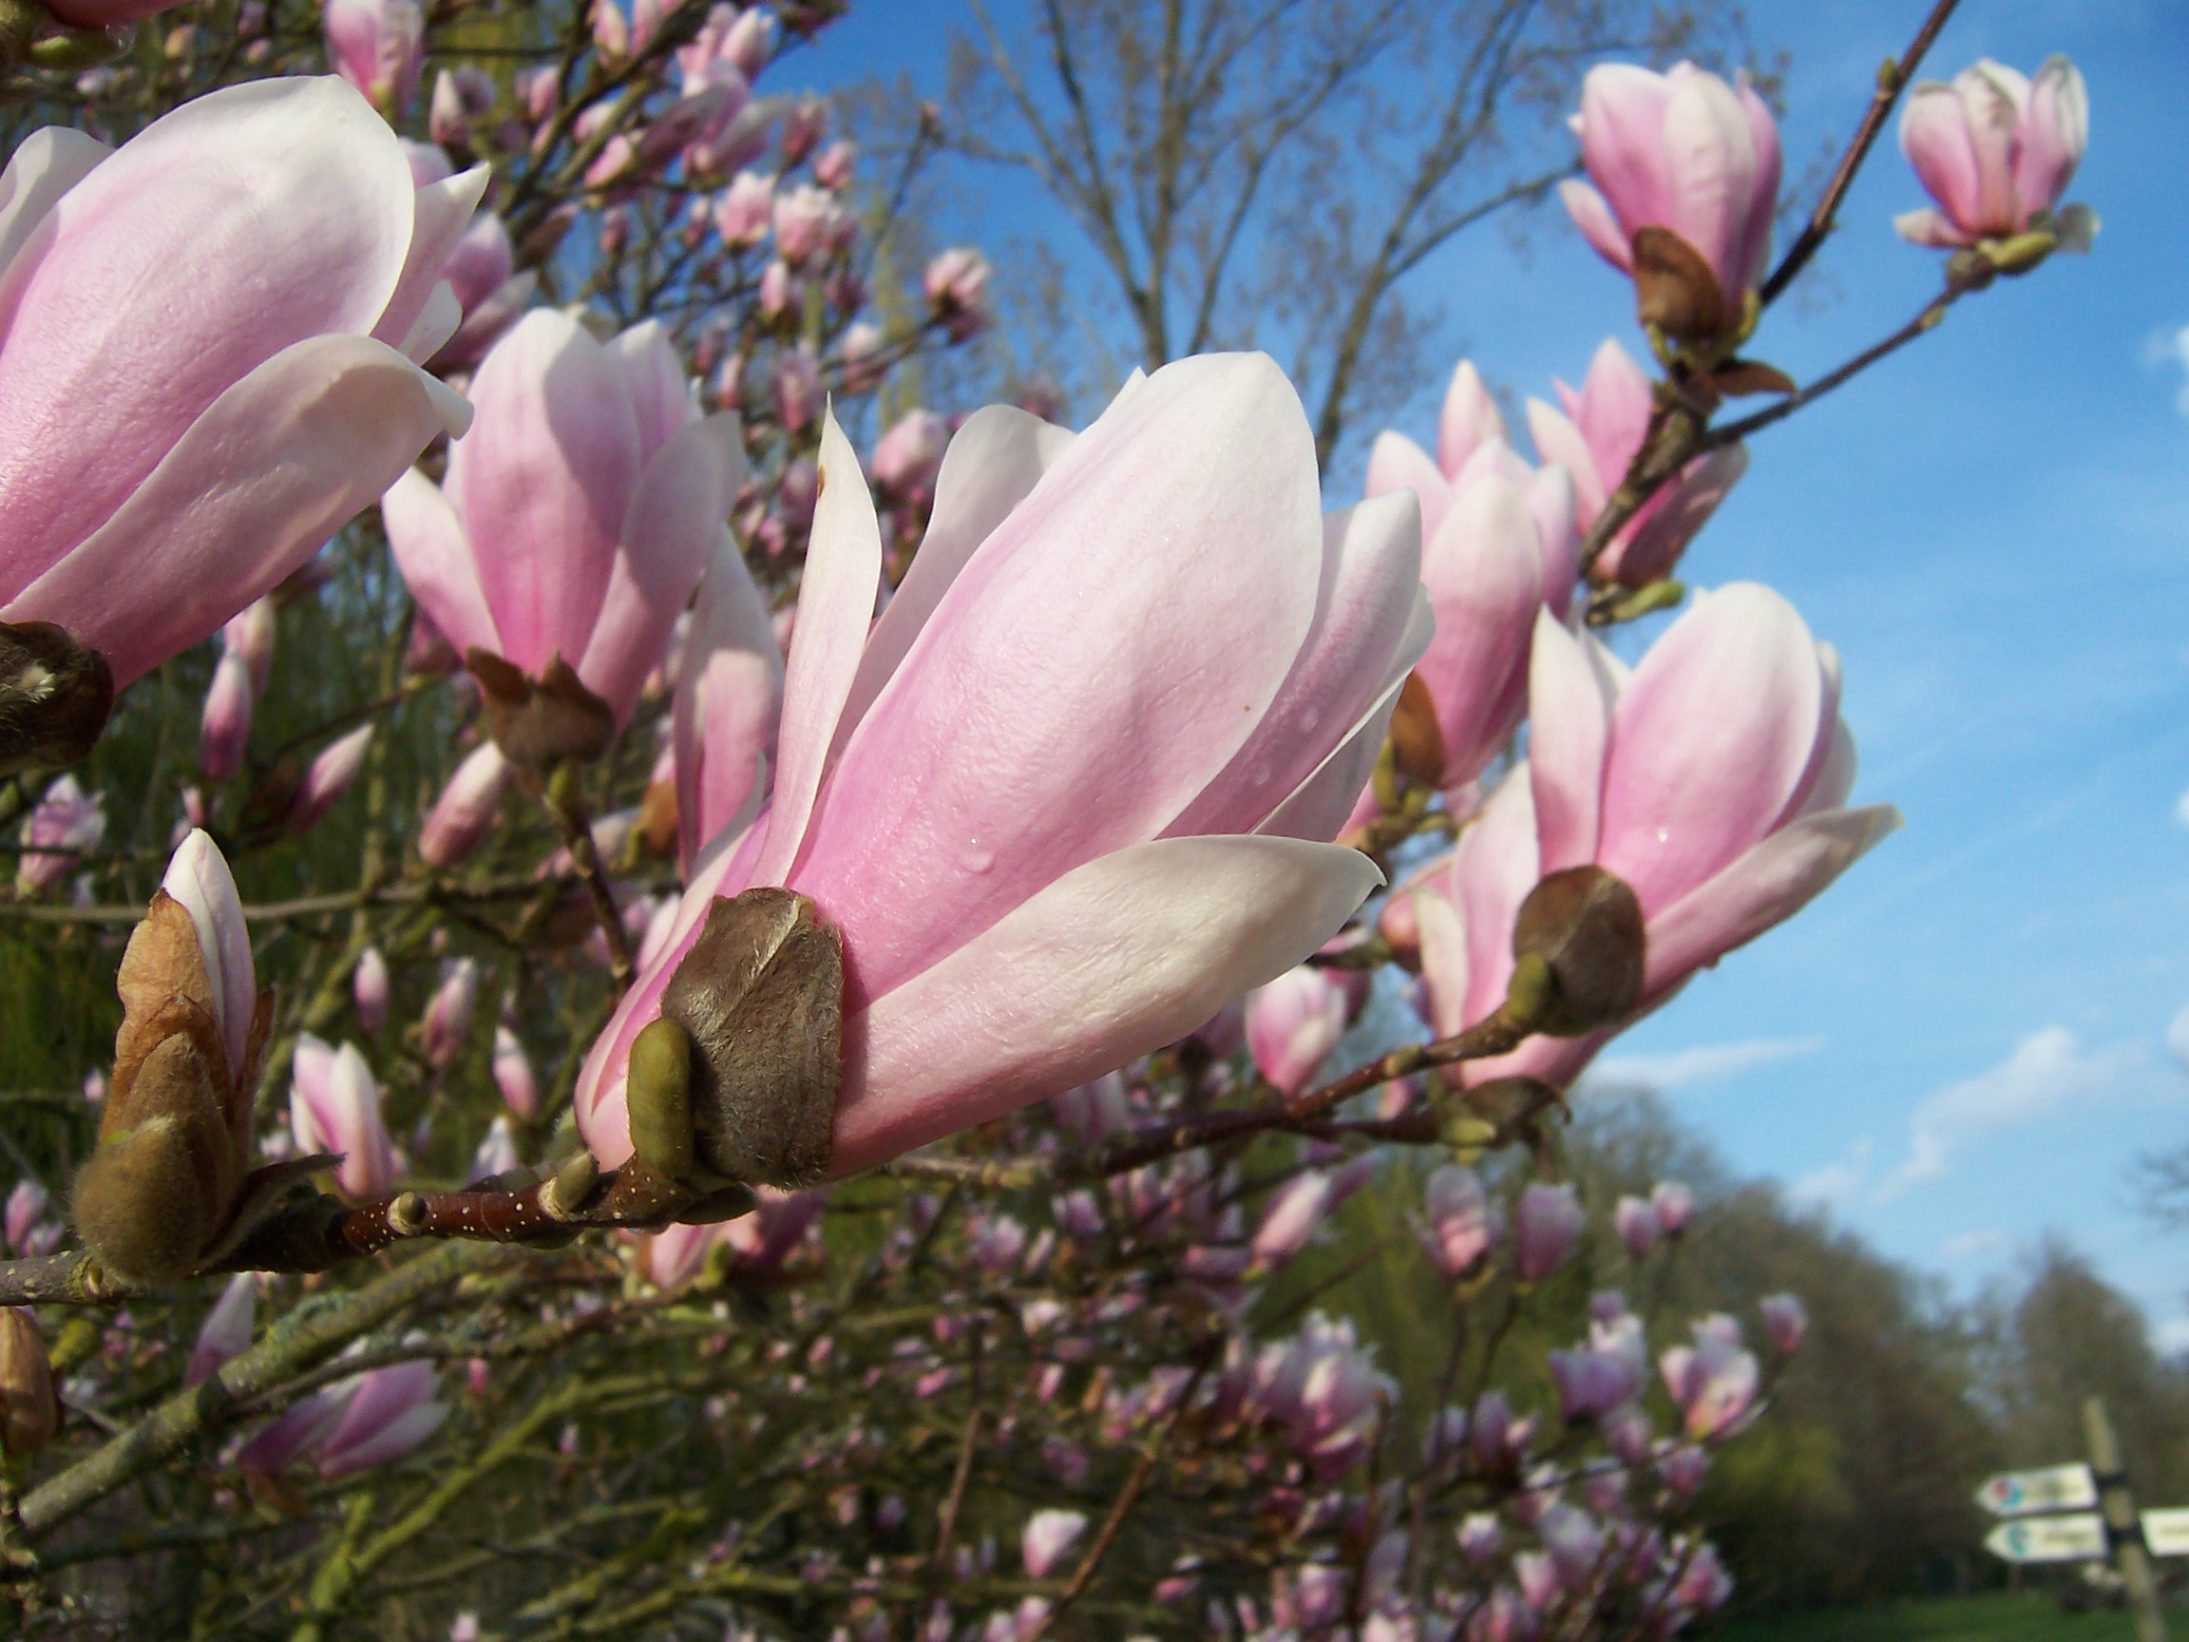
(2166, 1533)
(2054, 1488)
(2076, 1538)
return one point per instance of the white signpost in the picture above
(2054, 1488)
(2079, 1537)
(2166, 1533)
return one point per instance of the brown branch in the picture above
(1892, 79)
(320, 1232)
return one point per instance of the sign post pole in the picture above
(2123, 1528)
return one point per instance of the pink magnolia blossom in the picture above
(1996, 151)
(956, 283)
(448, 1012)
(729, 697)
(1786, 1320)
(369, 990)
(355, 1425)
(1595, 439)
(1462, 1224)
(1738, 687)
(577, 518)
(1293, 1024)
(1047, 1539)
(26, 1206)
(66, 823)
(466, 810)
(497, 1153)
(250, 634)
(327, 778)
(777, 1227)
(225, 725)
(1682, 151)
(1063, 800)
(513, 1075)
(745, 209)
(259, 269)
(1636, 1223)
(226, 1332)
(379, 46)
(1673, 1204)
(807, 222)
(1546, 1227)
(1715, 1380)
(907, 456)
(198, 878)
(1498, 548)
(334, 1106)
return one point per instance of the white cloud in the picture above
(2177, 1034)
(2172, 1335)
(2049, 1072)
(1976, 1244)
(1704, 1064)
(1834, 1185)
(2172, 348)
(2181, 805)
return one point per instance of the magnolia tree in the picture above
(716, 1037)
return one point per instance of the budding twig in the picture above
(1892, 79)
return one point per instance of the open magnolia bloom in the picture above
(261, 271)
(570, 529)
(1070, 795)
(1712, 780)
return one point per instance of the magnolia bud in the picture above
(1578, 945)
(55, 695)
(175, 1137)
(539, 722)
(30, 1413)
(761, 998)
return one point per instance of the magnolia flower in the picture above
(481, 271)
(260, 271)
(513, 1076)
(66, 823)
(1697, 161)
(448, 1012)
(1714, 1381)
(1047, 1539)
(1596, 440)
(729, 695)
(1293, 1024)
(379, 46)
(226, 1332)
(907, 455)
(365, 1421)
(334, 1106)
(1737, 686)
(174, 1147)
(1498, 547)
(1996, 151)
(1786, 1320)
(1063, 802)
(1462, 1224)
(369, 989)
(575, 521)
(745, 209)
(956, 283)
(329, 775)
(464, 813)
(1546, 1225)
(225, 725)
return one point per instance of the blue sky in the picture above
(1965, 1043)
